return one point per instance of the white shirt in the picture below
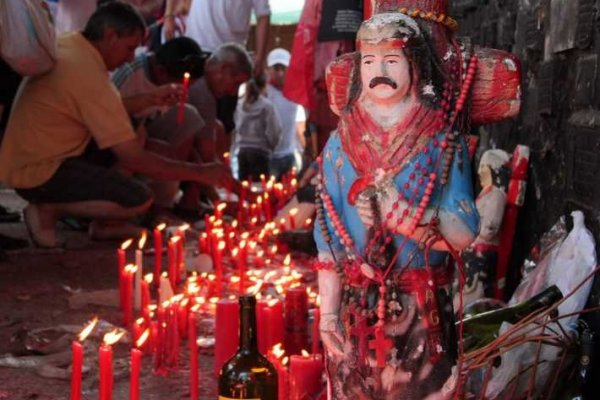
(287, 112)
(72, 15)
(212, 23)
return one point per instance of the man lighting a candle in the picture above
(69, 127)
(141, 83)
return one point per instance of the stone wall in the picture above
(558, 42)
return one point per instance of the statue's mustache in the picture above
(382, 80)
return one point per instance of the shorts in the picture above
(78, 180)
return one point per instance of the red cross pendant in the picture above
(381, 345)
(360, 330)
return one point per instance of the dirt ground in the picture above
(34, 290)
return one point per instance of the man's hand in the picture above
(166, 95)
(169, 27)
(216, 174)
(331, 334)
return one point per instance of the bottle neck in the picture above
(247, 328)
(541, 300)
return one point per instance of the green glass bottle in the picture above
(248, 374)
(481, 329)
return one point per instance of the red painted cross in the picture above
(381, 345)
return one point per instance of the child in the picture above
(258, 131)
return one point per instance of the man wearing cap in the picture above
(284, 156)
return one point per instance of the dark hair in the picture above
(420, 55)
(254, 87)
(122, 17)
(181, 55)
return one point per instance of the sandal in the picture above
(40, 238)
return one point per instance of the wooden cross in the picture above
(360, 330)
(381, 345)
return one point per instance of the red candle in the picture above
(77, 364)
(306, 376)
(105, 360)
(226, 331)
(292, 217)
(172, 257)
(316, 338)
(270, 324)
(296, 318)
(130, 271)
(172, 358)
(183, 316)
(158, 247)
(183, 98)
(136, 362)
(276, 357)
(218, 259)
(241, 263)
(121, 259)
(192, 341)
(146, 282)
(203, 243)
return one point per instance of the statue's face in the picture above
(384, 71)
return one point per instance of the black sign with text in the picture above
(340, 19)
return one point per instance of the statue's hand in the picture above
(331, 334)
(385, 202)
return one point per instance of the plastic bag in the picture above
(566, 265)
(27, 37)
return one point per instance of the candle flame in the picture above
(131, 268)
(271, 303)
(245, 184)
(294, 182)
(126, 244)
(308, 222)
(294, 211)
(142, 339)
(221, 245)
(222, 206)
(269, 275)
(245, 236)
(142, 240)
(112, 337)
(285, 360)
(305, 353)
(195, 307)
(235, 279)
(184, 302)
(139, 321)
(186, 75)
(253, 290)
(234, 224)
(274, 249)
(226, 155)
(160, 227)
(287, 260)
(87, 330)
(254, 220)
(235, 252)
(259, 200)
(175, 239)
(282, 221)
(262, 177)
(213, 300)
(184, 227)
(148, 278)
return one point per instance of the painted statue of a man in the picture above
(395, 198)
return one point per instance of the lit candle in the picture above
(121, 260)
(136, 362)
(172, 257)
(292, 217)
(306, 376)
(242, 260)
(181, 251)
(219, 267)
(165, 291)
(183, 98)
(193, 343)
(77, 364)
(139, 262)
(130, 271)
(276, 356)
(203, 243)
(105, 360)
(219, 211)
(158, 247)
